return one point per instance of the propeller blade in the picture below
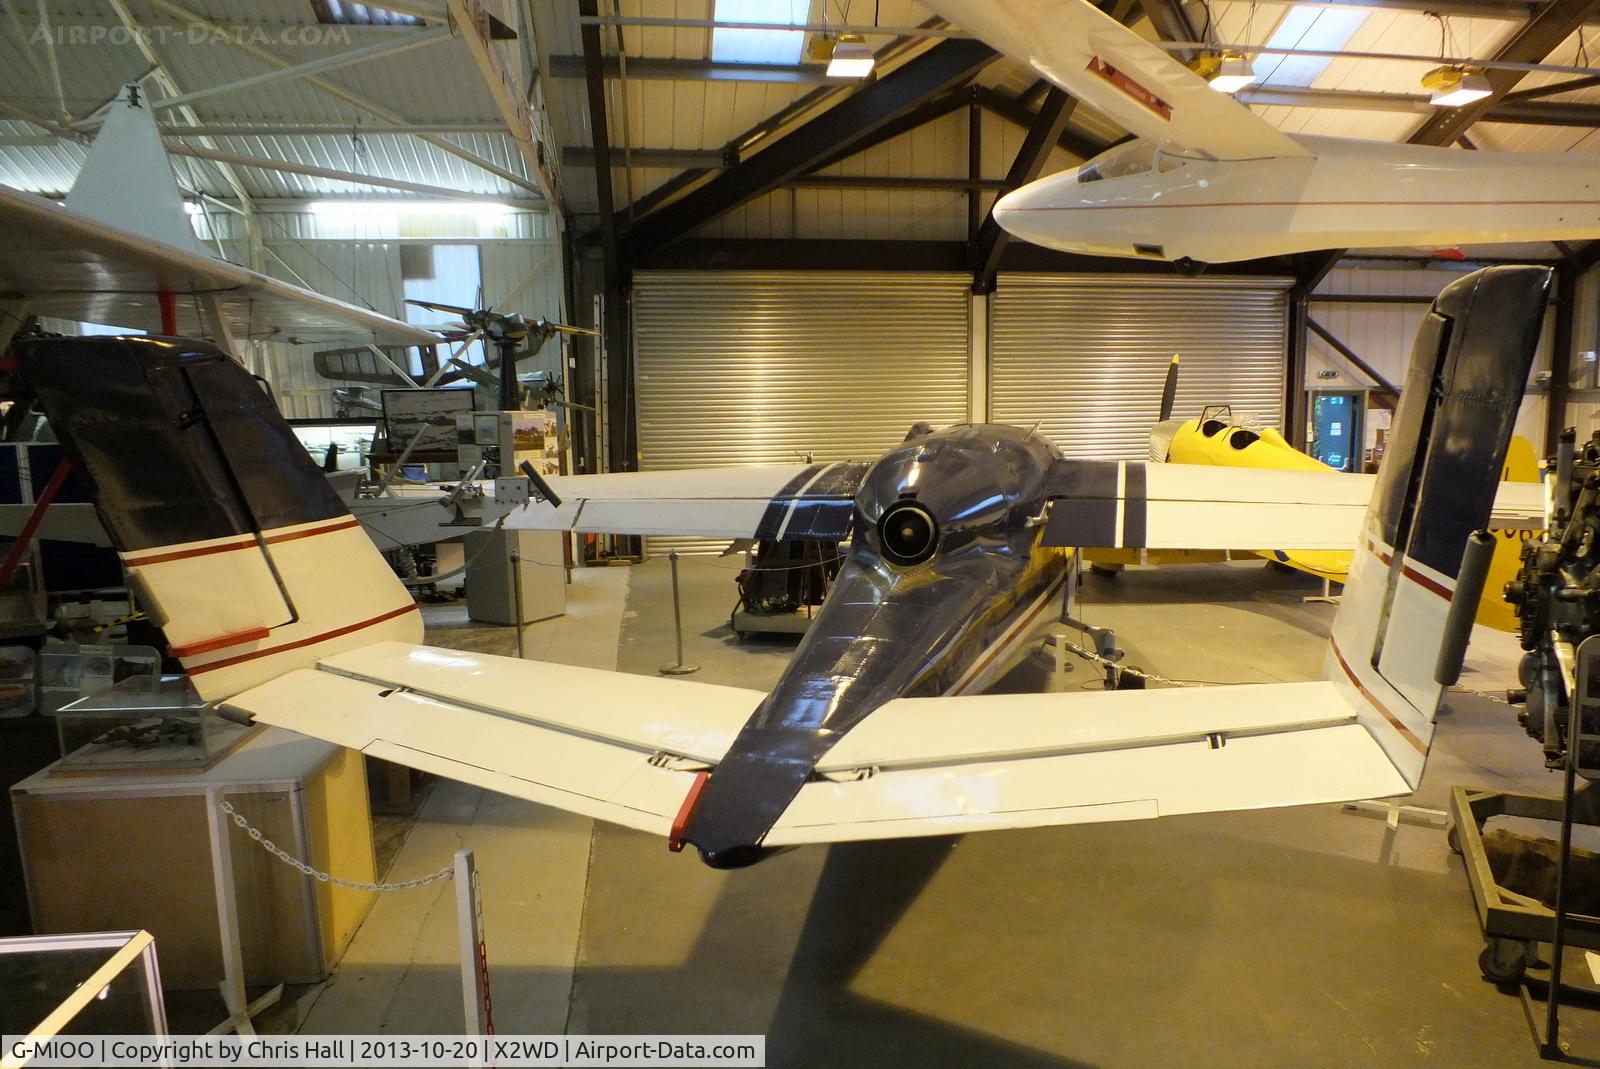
(454, 309)
(1169, 391)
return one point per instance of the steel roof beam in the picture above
(1540, 36)
(238, 159)
(918, 116)
(338, 92)
(899, 255)
(600, 137)
(864, 29)
(770, 126)
(471, 23)
(393, 46)
(292, 128)
(1514, 108)
(1013, 112)
(1044, 135)
(934, 72)
(701, 70)
(1172, 23)
(676, 158)
(896, 181)
(169, 85)
(1511, 10)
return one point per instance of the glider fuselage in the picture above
(946, 581)
(1135, 201)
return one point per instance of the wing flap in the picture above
(626, 748)
(596, 759)
(1326, 764)
(645, 713)
(920, 732)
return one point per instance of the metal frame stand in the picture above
(516, 601)
(240, 1009)
(1104, 638)
(677, 668)
(1327, 597)
(476, 1004)
(1513, 924)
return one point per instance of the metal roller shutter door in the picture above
(767, 367)
(1085, 356)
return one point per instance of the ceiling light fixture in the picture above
(852, 57)
(1233, 73)
(1453, 85)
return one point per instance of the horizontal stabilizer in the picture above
(769, 501)
(627, 748)
(1107, 504)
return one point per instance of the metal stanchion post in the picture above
(516, 596)
(679, 668)
(474, 966)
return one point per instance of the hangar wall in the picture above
(1085, 356)
(355, 257)
(1381, 333)
(740, 367)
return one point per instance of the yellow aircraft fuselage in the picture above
(1248, 447)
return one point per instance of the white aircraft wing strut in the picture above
(62, 263)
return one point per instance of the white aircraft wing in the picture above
(628, 749)
(1120, 74)
(1115, 504)
(67, 265)
(767, 501)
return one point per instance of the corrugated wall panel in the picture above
(767, 367)
(1085, 356)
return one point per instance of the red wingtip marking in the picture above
(685, 811)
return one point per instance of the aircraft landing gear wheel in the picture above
(1503, 961)
(1452, 839)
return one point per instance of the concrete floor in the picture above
(1301, 936)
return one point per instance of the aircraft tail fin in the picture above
(1435, 488)
(127, 180)
(233, 540)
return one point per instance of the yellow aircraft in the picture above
(1215, 439)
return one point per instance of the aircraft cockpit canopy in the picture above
(1136, 157)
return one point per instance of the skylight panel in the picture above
(340, 13)
(759, 46)
(1322, 29)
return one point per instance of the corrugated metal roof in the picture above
(435, 84)
(439, 84)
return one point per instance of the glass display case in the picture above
(143, 723)
(69, 671)
(105, 983)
